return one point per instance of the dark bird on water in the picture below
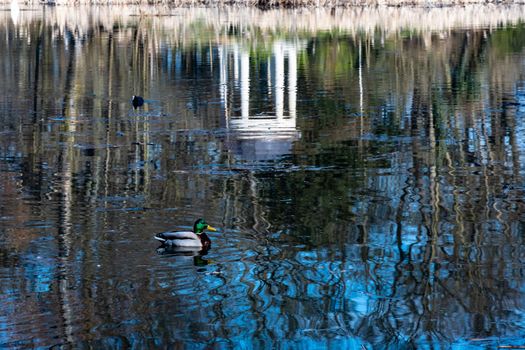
(137, 101)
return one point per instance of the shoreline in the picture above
(265, 4)
(364, 19)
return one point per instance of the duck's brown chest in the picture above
(205, 240)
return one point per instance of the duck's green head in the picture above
(200, 225)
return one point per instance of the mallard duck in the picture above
(137, 101)
(197, 238)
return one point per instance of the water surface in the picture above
(363, 166)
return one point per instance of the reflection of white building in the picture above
(15, 11)
(271, 133)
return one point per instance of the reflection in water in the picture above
(263, 136)
(196, 254)
(15, 11)
(369, 182)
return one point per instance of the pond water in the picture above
(364, 168)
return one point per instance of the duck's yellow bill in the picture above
(211, 228)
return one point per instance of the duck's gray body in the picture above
(180, 239)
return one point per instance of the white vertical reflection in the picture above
(15, 11)
(223, 60)
(279, 79)
(292, 80)
(236, 63)
(360, 80)
(66, 220)
(245, 85)
(269, 79)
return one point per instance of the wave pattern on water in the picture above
(366, 179)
